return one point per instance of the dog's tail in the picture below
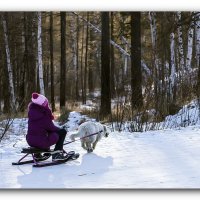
(73, 136)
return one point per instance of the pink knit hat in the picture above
(39, 99)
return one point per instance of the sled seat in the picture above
(34, 150)
(31, 150)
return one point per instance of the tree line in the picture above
(137, 61)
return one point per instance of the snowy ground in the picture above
(157, 159)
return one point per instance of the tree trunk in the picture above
(172, 78)
(40, 65)
(77, 60)
(74, 45)
(190, 46)
(180, 43)
(112, 57)
(197, 43)
(86, 61)
(197, 31)
(152, 18)
(63, 60)
(30, 62)
(105, 109)
(9, 65)
(91, 61)
(136, 74)
(82, 81)
(1, 92)
(6, 92)
(125, 58)
(99, 31)
(153, 29)
(52, 62)
(21, 93)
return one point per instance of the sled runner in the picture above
(41, 160)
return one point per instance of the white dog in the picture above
(90, 133)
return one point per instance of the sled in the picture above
(46, 154)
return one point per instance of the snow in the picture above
(154, 159)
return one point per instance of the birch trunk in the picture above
(189, 48)
(153, 29)
(125, 57)
(197, 33)
(180, 43)
(40, 67)
(154, 37)
(74, 51)
(155, 58)
(173, 69)
(9, 65)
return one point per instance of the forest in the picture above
(130, 66)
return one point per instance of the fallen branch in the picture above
(99, 31)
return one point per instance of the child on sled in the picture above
(42, 133)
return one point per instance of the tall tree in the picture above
(81, 73)
(9, 64)
(91, 60)
(190, 45)
(77, 59)
(136, 74)
(197, 38)
(172, 77)
(63, 60)
(105, 109)
(30, 55)
(86, 61)
(112, 57)
(52, 61)
(22, 70)
(154, 40)
(197, 31)
(1, 83)
(180, 43)
(74, 29)
(40, 64)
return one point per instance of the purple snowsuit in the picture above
(42, 133)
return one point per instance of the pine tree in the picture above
(105, 109)
(63, 60)
(136, 74)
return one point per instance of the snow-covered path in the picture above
(157, 159)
